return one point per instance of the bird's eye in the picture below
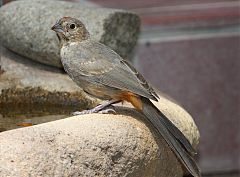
(72, 26)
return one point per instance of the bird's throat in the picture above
(62, 39)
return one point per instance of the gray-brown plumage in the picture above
(102, 73)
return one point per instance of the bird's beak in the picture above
(57, 28)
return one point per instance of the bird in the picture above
(104, 74)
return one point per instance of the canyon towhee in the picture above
(102, 73)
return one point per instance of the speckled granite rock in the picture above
(27, 85)
(95, 145)
(25, 28)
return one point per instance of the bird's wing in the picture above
(99, 64)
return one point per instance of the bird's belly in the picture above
(97, 90)
(101, 92)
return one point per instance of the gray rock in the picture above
(89, 145)
(27, 85)
(95, 145)
(25, 28)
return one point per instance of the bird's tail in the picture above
(172, 135)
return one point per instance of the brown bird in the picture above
(102, 73)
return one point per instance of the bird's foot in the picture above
(102, 109)
(108, 110)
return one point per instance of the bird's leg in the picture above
(103, 108)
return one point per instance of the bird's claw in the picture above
(106, 110)
(81, 112)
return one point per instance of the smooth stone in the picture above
(26, 28)
(95, 145)
(89, 145)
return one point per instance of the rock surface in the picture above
(95, 145)
(26, 85)
(25, 28)
(90, 145)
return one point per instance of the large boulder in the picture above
(90, 145)
(26, 27)
(95, 145)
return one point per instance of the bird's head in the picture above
(69, 29)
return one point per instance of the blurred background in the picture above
(190, 50)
